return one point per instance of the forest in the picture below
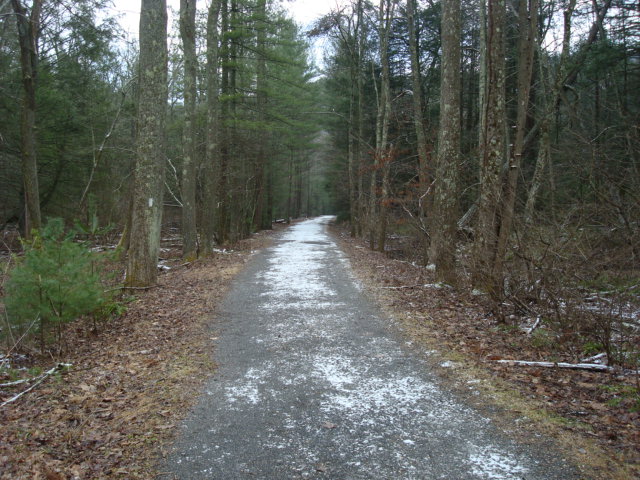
(493, 144)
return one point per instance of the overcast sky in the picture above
(304, 12)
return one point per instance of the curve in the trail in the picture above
(314, 383)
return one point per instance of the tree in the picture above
(445, 207)
(28, 23)
(492, 148)
(527, 26)
(418, 114)
(188, 35)
(384, 151)
(261, 220)
(209, 195)
(142, 268)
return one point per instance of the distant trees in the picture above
(476, 157)
(500, 143)
(237, 145)
(77, 117)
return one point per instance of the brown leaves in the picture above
(108, 416)
(460, 324)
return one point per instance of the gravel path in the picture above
(314, 383)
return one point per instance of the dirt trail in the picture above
(314, 383)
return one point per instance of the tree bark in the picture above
(443, 234)
(527, 26)
(188, 34)
(223, 195)
(28, 24)
(492, 150)
(213, 126)
(261, 220)
(142, 265)
(418, 121)
(383, 149)
(359, 119)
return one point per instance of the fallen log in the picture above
(575, 366)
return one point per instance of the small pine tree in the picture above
(55, 282)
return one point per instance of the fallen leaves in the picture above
(110, 415)
(455, 322)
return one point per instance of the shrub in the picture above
(55, 282)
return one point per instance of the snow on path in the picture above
(313, 384)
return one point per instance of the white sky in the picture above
(304, 12)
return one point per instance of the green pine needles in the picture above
(56, 281)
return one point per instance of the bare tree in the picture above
(383, 151)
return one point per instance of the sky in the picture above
(304, 12)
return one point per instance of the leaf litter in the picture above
(590, 413)
(114, 411)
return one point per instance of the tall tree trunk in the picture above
(223, 227)
(527, 26)
(482, 74)
(261, 221)
(418, 121)
(383, 150)
(443, 240)
(492, 150)
(353, 150)
(213, 126)
(373, 179)
(28, 24)
(188, 34)
(359, 119)
(142, 265)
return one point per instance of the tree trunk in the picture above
(482, 74)
(418, 122)
(142, 266)
(527, 26)
(188, 34)
(261, 221)
(222, 205)
(492, 150)
(352, 153)
(443, 233)
(383, 150)
(213, 126)
(28, 24)
(359, 119)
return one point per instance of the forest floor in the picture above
(113, 413)
(595, 416)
